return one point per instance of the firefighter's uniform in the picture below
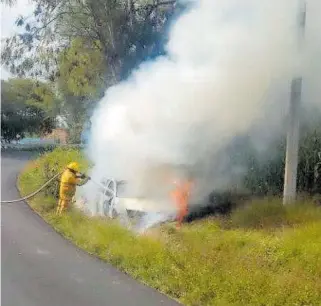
(70, 178)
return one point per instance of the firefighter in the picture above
(181, 196)
(70, 178)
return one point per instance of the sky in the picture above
(8, 18)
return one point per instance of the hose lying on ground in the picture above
(35, 192)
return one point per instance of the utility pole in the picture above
(130, 4)
(292, 145)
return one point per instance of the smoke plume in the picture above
(226, 74)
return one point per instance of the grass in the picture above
(270, 214)
(264, 254)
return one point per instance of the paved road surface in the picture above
(40, 268)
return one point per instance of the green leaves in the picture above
(81, 68)
(82, 48)
(27, 106)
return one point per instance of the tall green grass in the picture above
(272, 214)
(264, 254)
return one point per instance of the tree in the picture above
(128, 32)
(80, 82)
(26, 106)
(86, 46)
(81, 68)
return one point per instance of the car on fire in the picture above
(113, 199)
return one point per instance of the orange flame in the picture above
(181, 196)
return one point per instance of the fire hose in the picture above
(34, 193)
(40, 189)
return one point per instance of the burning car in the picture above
(119, 198)
(113, 199)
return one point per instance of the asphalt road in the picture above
(40, 268)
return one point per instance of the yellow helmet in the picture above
(73, 166)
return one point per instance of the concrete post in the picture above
(292, 148)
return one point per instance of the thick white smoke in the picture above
(227, 71)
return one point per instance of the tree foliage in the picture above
(128, 31)
(86, 46)
(81, 69)
(80, 82)
(26, 106)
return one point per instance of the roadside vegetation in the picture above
(261, 254)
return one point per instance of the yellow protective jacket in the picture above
(68, 182)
